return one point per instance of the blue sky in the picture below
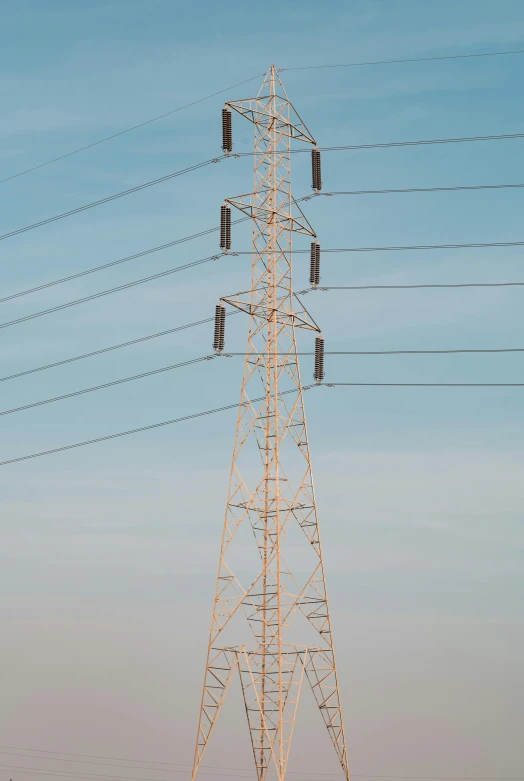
(109, 552)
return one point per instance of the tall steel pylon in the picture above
(271, 484)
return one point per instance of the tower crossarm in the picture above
(246, 302)
(270, 111)
(277, 214)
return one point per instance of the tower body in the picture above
(271, 484)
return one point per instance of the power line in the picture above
(96, 756)
(109, 777)
(422, 142)
(244, 154)
(188, 105)
(222, 157)
(219, 92)
(128, 766)
(33, 755)
(107, 385)
(232, 254)
(226, 407)
(104, 777)
(213, 230)
(112, 347)
(140, 339)
(249, 154)
(111, 198)
(141, 281)
(425, 385)
(127, 130)
(77, 774)
(410, 59)
(391, 191)
(390, 144)
(221, 255)
(397, 352)
(246, 81)
(241, 769)
(107, 437)
(411, 287)
(117, 262)
(478, 245)
(235, 222)
(111, 290)
(107, 265)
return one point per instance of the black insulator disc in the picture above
(227, 135)
(220, 321)
(225, 227)
(316, 169)
(313, 263)
(319, 359)
(317, 264)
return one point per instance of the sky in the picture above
(109, 552)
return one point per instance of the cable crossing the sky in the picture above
(109, 198)
(236, 405)
(103, 350)
(205, 163)
(142, 762)
(407, 60)
(427, 286)
(208, 231)
(392, 144)
(246, 81)
(126, 130)
(108, 384)
(110, 291)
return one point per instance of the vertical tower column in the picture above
(271, 286)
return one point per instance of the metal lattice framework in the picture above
(271, 484)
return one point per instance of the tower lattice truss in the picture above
(271, 485)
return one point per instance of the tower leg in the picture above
(221, 664)
(321, 673)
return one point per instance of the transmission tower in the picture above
(271, 483)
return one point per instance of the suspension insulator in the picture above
(316, 170)
(222, 227)
(319, 359)
(225, 227)
(317, 265)
(220, 326)
(314, 268)
(228, 228)
(313, 263)
(227, 132)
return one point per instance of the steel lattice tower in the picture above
(271, 484)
